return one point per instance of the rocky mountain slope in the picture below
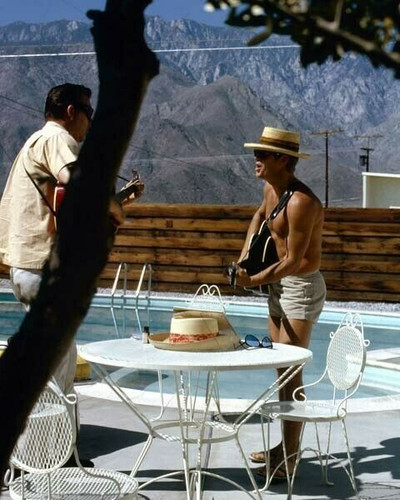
(206, 103)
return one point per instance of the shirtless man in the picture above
(296, 287)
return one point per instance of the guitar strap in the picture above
(282, 202)
(41, 193)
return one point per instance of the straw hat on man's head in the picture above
(279, 141)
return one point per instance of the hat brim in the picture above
(265, 147)
(219, 343)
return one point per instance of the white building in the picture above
(381, 190)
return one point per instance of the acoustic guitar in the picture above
(261, 251)
(132, 186)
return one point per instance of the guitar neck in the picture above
(125, 192)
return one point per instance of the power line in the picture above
(181, 160)
(70, 4)
(157, 51)
(54, 54)
(5, 152)
(242, 47)
(21, 104)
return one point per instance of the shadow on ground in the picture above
(96, 440)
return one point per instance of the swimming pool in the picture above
(382, 329)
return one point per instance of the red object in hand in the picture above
(59, 194)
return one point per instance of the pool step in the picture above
(385, 358)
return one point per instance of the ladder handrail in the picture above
(124, 296)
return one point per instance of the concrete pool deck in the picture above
(112, 437)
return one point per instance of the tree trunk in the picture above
(84, 238)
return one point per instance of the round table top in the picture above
(128, 353)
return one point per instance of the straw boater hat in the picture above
(279, 141)
(195, 330)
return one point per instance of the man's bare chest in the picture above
(278, 226)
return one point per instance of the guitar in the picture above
(134, 185)
(261, 252)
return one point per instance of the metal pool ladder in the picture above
(119, 300)
(120, 297)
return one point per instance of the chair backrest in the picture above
(49, 436)
(346, 355)
(207, 297)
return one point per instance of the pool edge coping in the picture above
(103, 391)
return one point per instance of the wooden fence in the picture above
(188, 245)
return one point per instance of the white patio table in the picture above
(190, 428)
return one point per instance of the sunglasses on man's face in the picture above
(263, 155)
(86, 109)
(253, 341)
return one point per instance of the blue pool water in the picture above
(383, 331)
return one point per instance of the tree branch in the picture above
(126, 66)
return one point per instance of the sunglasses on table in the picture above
(86, 109)
(253, 341)
(263, 155)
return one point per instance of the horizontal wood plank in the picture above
(347, 214)
(192, 235)
(187, 224)
(360, 229)
(187, 210)
(181, 276)
(356, 245)
(178, 243)
(169, 256)
(360, 263)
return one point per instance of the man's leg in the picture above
(25, 284)
(293, 332)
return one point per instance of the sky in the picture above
(39, 11)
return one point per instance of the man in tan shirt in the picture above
(26, 220)
(296, 287)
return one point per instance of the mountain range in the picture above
(213, 94)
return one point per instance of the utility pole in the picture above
(327, 133)
(364, 159)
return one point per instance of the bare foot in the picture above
(276, 472)
(260, 457)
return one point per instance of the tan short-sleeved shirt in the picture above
(25, 220)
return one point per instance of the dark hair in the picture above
(60, 97)
(291, 164)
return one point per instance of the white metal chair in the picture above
(345, 362)
(45, 446)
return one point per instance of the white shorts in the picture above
(298, 297)
(25, 284)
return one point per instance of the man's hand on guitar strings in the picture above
(237, 275)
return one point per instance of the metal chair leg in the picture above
(351, 469)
